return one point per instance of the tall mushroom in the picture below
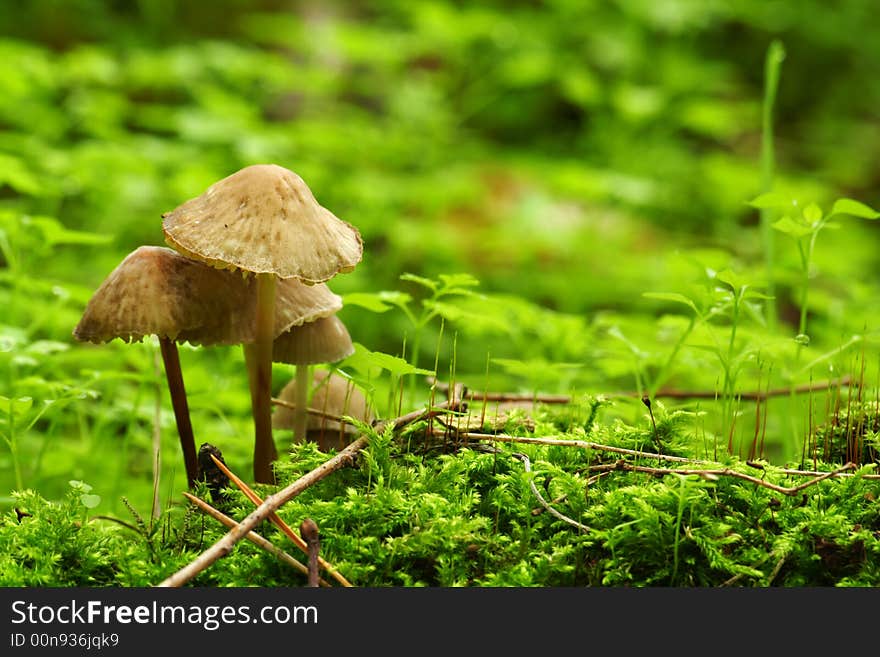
(264, 220)
(325, 340)
(156, 291)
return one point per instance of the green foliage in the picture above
(582, 166)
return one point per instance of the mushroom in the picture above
(325, 340)
(156, 291)
(334, 396)
(264, 220)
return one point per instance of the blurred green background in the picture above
(570, 155)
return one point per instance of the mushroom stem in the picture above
(301, 411)
(258, 357)
(174, 376)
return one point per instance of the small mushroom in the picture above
(325, 340)
(156, 291)
(333, 396)
(264, 220)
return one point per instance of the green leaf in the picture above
(813, 213)
(421, 280)
(377, 302)
(457, 283)
(79, 485)
(854, 208)
(791, 227)
(365, 360)
(732, 279)
(671, 296)
(771, 200)
(90, 501)
(55, 233)
(15, 407)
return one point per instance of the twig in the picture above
(277, 521)
(419, 415)
(485, 396)
(589, 482)
(313, 411)
(582, 444)
(252, 536)
(672, 393)
(553, 512)
(309, 531)
(750, 395)
(225, 545)
(723, 472)
(816, 473)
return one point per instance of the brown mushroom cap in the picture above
(264, 219)
(334, 395)
(325, 340)
(156, 291)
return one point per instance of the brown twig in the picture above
(750, 395)
(721, 472)
(225, 545)
(313, 411)
(581, 444)
(276, 520)
(309, 531)
(252, 536)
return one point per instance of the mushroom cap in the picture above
(264, 219)
(324, 340)
(235, 318)
(334, 395)
(157, 291)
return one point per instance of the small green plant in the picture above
(803, 223)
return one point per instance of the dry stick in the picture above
(723, 472)
(252, 536)
(313, 411)
(583, 444)
(224, 546)
(345, 457)
(553, 512)
(750, 395)
(309, 531)
(276, 520)
(589, 482)
(174, 376)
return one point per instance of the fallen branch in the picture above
(225, 545)
(274, 502)
(553, 512)
(584, 444)
(750, 395)
(252, 536)
(581, 444)
(722, 472)
(671, 393)
(313, 411)
(277, 521)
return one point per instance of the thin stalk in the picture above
(174, 376)
(258, 357)
(300, 410)
(772, 66)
